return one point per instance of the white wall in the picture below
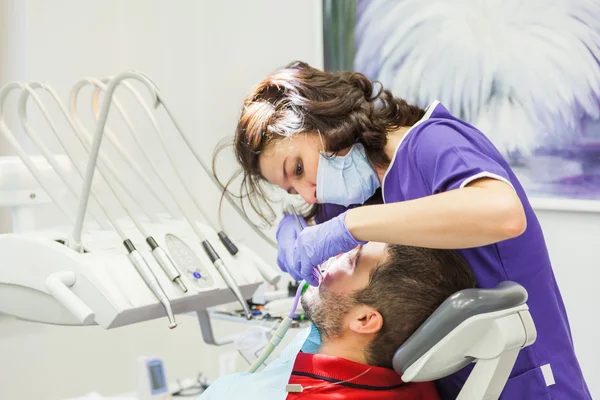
(574, 240)
(204, 55)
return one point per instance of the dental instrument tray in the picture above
(114, 266)
(43, 280)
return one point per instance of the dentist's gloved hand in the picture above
(287, 233)
(318, 243)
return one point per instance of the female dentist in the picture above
(341, 142)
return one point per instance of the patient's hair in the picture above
(406, 287)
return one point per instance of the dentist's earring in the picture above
(322, 143)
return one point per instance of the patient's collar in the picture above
(349, 346)
(337, 368)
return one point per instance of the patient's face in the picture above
(332, 299)
(351, 271)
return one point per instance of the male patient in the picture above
(369, 302)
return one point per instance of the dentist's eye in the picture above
(299, 168)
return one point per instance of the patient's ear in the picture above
(365, 320)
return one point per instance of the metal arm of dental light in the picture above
(159, 254)
(215, 223)
(109, 171)
(86, 138)
(39, 177)
(207, 246)
(180, 206)
(268, 273)
(208, 334)
(95, 110)
(164, 261)
(97, 211)
(135, 257)
(216, 182)
(211, 253)
(101, 86)
(210, 175)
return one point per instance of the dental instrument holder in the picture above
(269, 274)
(74, 240)
(229, 245)
(44, 281)
(158, 253)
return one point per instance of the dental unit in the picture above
(155, 259)
(136, 258)
(201, 279)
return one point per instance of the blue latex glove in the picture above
(287, 233)
(318, 243)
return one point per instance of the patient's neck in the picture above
(344, 347)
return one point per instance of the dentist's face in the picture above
(291, 164)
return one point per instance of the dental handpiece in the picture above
(302, 228)
(165, 262)
(150, 279)
(226, 275)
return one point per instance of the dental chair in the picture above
(485, 326)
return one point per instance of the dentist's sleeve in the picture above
(328, 211)
(448, 159)
(422, 208)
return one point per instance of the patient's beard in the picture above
(326, 310)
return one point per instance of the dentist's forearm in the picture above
(488, 211)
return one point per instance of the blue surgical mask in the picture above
(346, 180)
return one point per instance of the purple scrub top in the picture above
(441, 153)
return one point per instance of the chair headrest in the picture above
(451, 313)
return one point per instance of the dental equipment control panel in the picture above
(188, 262)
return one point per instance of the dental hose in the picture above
(280, 332)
